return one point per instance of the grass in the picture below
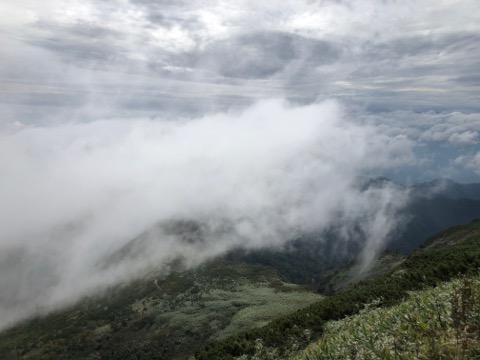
(421, 270)
(437, 323)
(160, 317)
(340, 278)
(265, 304)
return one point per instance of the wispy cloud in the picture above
(385, 55)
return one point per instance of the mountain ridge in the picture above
(423, 268)
(300, 262)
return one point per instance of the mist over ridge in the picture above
(255, 178)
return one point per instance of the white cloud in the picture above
(455, 128)
(470, 161)
(84, 190)
(412, 55)
(475, 163)
(468, 137)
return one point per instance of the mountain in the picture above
(434, 323)
(226, 309)
(435, 206)
(158, 316)
(226, 302)
(447, 188)
(449, 255)
(427, 216)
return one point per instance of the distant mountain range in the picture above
(447, 188)
(174, 315)
(436, 205)
(433, 206)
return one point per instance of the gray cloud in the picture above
(264, 54)
(473, 79)
(388, 58)
(411, 46)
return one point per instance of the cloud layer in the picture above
(147, 57)
(74, 194)
(400, 62)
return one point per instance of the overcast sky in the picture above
(387, 61)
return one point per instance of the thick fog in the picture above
(73, 195)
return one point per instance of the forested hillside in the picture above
(229, 309)
(460, 254)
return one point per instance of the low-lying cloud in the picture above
(445, 143)
(71, 195)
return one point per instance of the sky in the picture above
(254, 118)
(411, 67)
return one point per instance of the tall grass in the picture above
(437, 323)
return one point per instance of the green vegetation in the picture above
(160, 318)
(422, 269)
(437, 323)
(340, 278)
(233, 310)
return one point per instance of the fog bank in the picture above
(71, 195)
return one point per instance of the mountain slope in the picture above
(161, 318)
(434, 206)
(423, 268)
(171, 317)
(427, 216)
(436, 323)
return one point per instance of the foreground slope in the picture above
(437, 323)
(161, 318)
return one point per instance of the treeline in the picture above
(423, 268)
